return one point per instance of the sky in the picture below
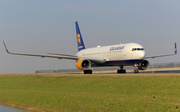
(48, 26)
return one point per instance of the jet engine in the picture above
(83, 64)
(143, 65)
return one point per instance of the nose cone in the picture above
(141, 55)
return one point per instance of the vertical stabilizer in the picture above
(79, 38)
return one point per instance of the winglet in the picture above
(6, 47)
(80, 42)
(175, 49)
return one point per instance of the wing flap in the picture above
(62, 54)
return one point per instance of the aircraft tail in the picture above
(80, 42)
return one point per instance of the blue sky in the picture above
(42, 26)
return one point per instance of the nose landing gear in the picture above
(136, 70)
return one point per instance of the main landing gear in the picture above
(136, 71)
(121, 70)
(87, 71)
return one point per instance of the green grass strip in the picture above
(81, 93)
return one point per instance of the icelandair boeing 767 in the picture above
(130, 54)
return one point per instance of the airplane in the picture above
(129, 54)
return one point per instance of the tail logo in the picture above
(78, 37)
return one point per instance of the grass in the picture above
(59, 93)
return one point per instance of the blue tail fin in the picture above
(79, 38)
(175, 49)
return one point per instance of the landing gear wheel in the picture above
(87, 71)
(121, 71)
(136, 71)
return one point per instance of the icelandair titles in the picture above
(116, 48)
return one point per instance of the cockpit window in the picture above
(137, 49)
(133, 49)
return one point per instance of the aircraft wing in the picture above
(49, 56)
(60, 56)
(98, 60)
(175, 52)
(156, 56)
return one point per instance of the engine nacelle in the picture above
(143, 65)
(83, 64)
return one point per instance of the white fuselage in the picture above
(116, 55)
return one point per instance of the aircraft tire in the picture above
(87, 71)
(124, 71)
(121, 71)
(90, 71)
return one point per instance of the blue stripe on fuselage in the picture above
(120, 63)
